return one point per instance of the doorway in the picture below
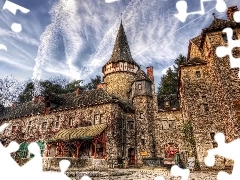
(131, 156)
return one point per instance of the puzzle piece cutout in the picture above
(182, 9)
(16, 27)
(12, 7)
(222, 51)
(227, 150)
(9, 169)
(177, 171)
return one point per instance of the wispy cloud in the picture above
(18, 36)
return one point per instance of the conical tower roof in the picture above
(121, 51)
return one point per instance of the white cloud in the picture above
(164, 71)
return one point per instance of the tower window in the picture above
(212, 134)
(57, 124)
(44, 125)
(143, 142)
(206, 108)
(14, 128)
(204, 98)
(139, 86)
(130, 125)
(198, 74)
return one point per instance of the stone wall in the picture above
(119, 83)
(207, 100)
(144, 127)
(168, 129)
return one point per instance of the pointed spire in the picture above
(121, 50)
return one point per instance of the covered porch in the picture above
(81, 142)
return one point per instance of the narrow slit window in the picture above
(198, 74)
(212, 134)
(206, 108)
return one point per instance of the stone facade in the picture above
(123, 122)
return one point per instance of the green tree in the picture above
(169, 81)
(93, 84)
(27, 94)
(51, 87)
(168, 84)
(72, 86)
(177, 62)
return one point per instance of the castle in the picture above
(123, 121)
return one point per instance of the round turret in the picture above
(120, 71)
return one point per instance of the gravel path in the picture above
(142, 174)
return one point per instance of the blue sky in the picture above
(75, 38)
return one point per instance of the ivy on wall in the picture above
(188, 131)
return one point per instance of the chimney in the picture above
(230, 12)
(14, 104)
(35, 99)
(150, 73)
(47, 107)
(101, 85)
(77, 91)
(40, 99)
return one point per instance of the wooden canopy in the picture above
(87, 132)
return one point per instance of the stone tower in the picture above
(209, 86)
(142, 98)
(119, 72)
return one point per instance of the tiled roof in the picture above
(141, 75)
(59, 102)
(173, 100)
(85, 98)
(194, 62)
(196, 40)
(22, 110)
(220, 24)
(121, 51)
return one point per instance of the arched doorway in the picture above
(170, 150)
(131, 156)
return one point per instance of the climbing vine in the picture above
(188, 131)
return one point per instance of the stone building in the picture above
(124, 122)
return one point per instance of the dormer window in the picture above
(140, 87)
(167, 104)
